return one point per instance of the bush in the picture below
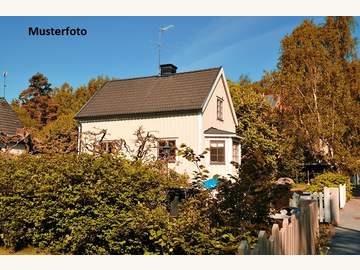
(330, 179)
(240, 203)
(81, 204)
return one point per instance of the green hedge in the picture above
(330, 179)
(79, 204)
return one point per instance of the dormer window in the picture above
(219, 106)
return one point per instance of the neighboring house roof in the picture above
(9, 122)
(187, 91)
(213, 130)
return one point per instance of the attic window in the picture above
(219, 106)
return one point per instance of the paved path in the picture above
(347, 235)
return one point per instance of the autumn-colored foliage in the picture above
(314, 93)
(317, 81)
(48, 113)
(37, 101)
(307, 110)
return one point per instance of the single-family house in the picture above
(192, 107)
(9, 124)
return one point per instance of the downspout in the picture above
(200, 134)
(79, 137)
(239, 153)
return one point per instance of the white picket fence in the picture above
(329, 203)
(297, 235)
(342, 195)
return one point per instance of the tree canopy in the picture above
(49, 112)
(306, 110)
(315, 80)
(37, 102)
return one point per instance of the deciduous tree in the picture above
(317, 83)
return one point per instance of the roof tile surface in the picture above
(177, 92)
(213, 130)
(9, 121)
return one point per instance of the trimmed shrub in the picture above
(330, 179)
(81, 204)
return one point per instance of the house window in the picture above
(217, 152)
(109, 146)
(235, 152)
(167, 150)
(219, 106)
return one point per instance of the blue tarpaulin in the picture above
(211, 183)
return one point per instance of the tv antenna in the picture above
(161, 31)
(4, 77)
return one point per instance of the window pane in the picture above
(217, 151)
(221, 154)
(219, 109)
(167, 150)
(213, 157)
(235, 152)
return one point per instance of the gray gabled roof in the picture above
(178, 92)
(9, 122)
(214, 131)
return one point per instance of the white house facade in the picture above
(193, 108)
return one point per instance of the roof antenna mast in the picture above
(161, 31)
(4, 76)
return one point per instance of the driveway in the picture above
(347, 235)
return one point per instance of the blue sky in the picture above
(125, 47)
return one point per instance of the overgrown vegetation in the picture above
(305, 111)
(48, 113)
(314, 95)
(326, 232)
(331, 180)
(103, 205)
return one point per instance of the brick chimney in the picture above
(167, 69)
